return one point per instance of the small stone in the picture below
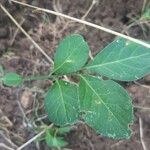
(6, 121)
(26, 99)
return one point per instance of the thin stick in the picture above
(16, 32)
(90, 8)
(142, 85)
(141, 107)
(26, 34)
(5, 146)
(141, 134)
(8, 140)
(86, 23)
(34, 138)
(144, 4)
(25, 119)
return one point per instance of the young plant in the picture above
(53, 136)
(101, 103)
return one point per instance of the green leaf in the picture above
(63, 130)
(122, 60)
(146, 14)
(12, 79)
(71, 54)
(61, 103)
(53, 141)
(106, 107)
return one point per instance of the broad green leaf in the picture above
(61, 103)
(106, 107)
(53, 141)
(12, 79)
(122, 60)
(71, 54)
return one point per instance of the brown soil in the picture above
(21, 107)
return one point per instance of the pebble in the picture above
(26, 99)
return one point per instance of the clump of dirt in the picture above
(22, 107)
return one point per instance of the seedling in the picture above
(53, 136)
(101, 103)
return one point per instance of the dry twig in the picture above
(142, 135)
(26, 34)
(34, 138)
(86, 23)
(6, 147)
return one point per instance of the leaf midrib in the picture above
(117, 61)
(66, 58)
(62, 99)
(101, 100)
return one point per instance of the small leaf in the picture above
(53, 141)
(12, 79)
(63, 130)
(61, 103)
(106, 107)
(71, 54)
(122, 60)
(146, 14)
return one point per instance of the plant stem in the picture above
(34, 138)
(44, 77)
